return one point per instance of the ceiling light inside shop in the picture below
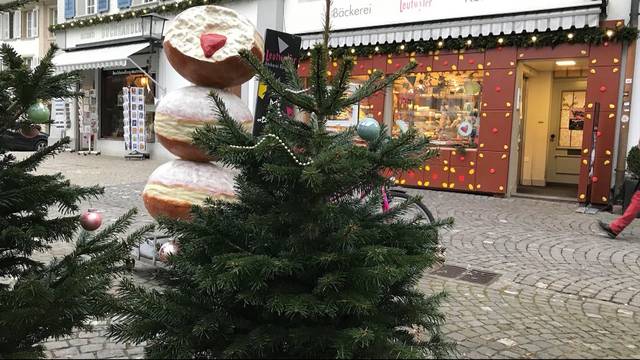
(565, 62)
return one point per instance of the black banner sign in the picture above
(278, 46)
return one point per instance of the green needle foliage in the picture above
(40, 300)
(300, 266)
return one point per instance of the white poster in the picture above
(304, 16)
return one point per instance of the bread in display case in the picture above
(443, 106)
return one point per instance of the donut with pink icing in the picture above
(174, 187)
(202, 45)
(184, 110)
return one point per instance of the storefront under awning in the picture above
(107, 57)
(542, 21)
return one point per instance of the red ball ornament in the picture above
(461, 158)
(594, 179)
(167, 249)
(599, 133)
(494, 130)
(603, 88)
(492, 171)
(498, 88)
(472, 61)
(90, 220)
(461, 178)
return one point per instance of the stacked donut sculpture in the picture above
(202, 44)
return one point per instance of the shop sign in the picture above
(278, 46)
(103, 32)
(302, 16)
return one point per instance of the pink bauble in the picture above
(169, 248)
(90, 220)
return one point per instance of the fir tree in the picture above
(41, 300)
(300, 266)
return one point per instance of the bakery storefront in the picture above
(519, 97)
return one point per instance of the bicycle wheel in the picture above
(398, 197)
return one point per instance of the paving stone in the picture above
(110, 353)
(91, 348)
(53, 345)
(78, 342)
(63, 353)
(98, 340)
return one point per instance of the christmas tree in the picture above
(41, 300)
(301, 265)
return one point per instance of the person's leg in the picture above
(630, 213)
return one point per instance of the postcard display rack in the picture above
(88, 122)
(134, 122)
(60, 120)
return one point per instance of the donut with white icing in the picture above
(174, 187)
(202, 45)
(184, 110)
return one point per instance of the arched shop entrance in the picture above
(506, 119)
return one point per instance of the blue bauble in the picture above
(369, 129)
(38, 113)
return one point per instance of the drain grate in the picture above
(449, 271)
(479, 277)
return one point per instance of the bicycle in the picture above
(392, 197)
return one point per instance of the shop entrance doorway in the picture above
(552, 112)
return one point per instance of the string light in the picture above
(353, 51)
(469, 42)
(273, 136)
(610, 33)
(402, 47)
(440, 43)
(500, 40)
(570, 36)
(534, 38)
(330, 52)
(308, 53)
(377, 48)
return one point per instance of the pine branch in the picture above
(375, 84)
(266, 76)
(33, 161)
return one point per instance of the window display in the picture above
(351, 116)
(442, 105)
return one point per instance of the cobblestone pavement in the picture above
(563, 290)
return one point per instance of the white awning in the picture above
(472, 27)
(106, 57)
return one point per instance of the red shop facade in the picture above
(504, 118)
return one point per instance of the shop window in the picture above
(572, 116)
(111, 104)
(443, 106)
(352, 115)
